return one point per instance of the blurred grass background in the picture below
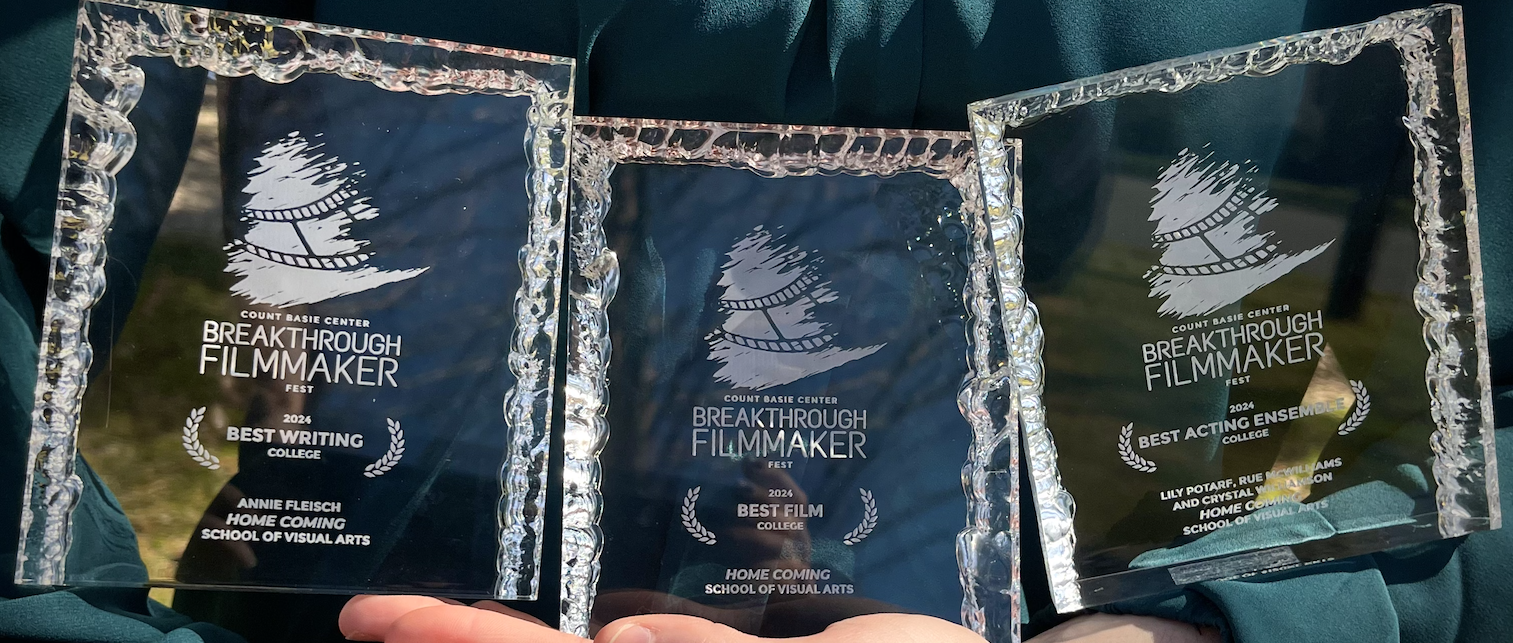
(135, 410)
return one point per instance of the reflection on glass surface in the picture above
(316, 359)
(785, 446)
(787, 380)
(1230, 286)
(325, 306)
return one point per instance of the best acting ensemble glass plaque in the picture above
(806, 344)
(1257, 276)
(336, 371)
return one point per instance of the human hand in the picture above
(871, 628)
(421, 619)
(908, 628)
(405, 619)
(779, 617)
(1110, 628)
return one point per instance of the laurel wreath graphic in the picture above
(390, 457)
(192, 444)
(1127, 452)
(869, 520)
(1361, 410)
(691, 519)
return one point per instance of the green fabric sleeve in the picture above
(35, 44)
(102, 616)
(1443, 592)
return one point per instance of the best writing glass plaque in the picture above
(319, 353)
(785, 368)
(1257, 283)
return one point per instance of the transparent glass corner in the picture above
(986, 549)
(1312, 193)
(146, 72)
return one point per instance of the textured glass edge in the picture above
(991, 474)
(99, 141)
(998, 161)
(776, 151)
(364, 34)
(594, 277)
(1334, 46)
(600, 144)
(1451, 300)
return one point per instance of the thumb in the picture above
(871, 628)
(671, 628)
(896, 628)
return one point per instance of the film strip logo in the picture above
(799, 288)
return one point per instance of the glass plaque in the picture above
(1258, 289)
(785, 366)
(336, 370)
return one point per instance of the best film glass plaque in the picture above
(1259, 301)
(786, 367)
(288, 328)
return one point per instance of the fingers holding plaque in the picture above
(332, 362)
(786, 342)
(1258, 283)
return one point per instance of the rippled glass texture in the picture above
(1257, 277)
(805, 371)
(314, 363)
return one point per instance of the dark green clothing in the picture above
(889, 63)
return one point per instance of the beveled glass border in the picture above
(1458, 373)
(99, 141)
(987, 548)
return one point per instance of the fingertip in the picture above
(670, 628)
(898, 627)
(627, 633)
(465, 624)
(438, 623)
(369, 618)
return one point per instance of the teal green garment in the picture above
(889, 64)
(1450, 591)
(35, 41)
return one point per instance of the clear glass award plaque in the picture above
(1260, 301)
(323, 361)
(786, 342)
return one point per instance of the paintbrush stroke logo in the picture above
(1211, 254)
(297, 247)
(771, 334)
